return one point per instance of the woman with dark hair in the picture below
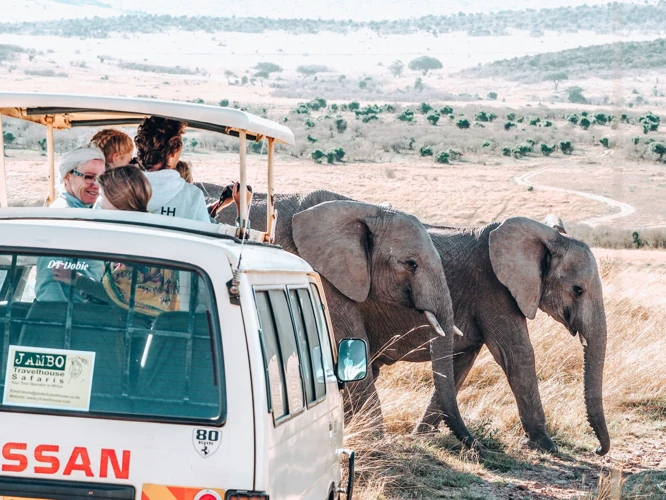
(159, 144)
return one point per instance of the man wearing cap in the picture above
(79, 170)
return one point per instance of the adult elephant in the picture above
(370, 257)
(499, 275)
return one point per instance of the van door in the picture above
(303, 435)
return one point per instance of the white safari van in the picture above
(233, 393)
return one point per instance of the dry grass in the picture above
(400, 465)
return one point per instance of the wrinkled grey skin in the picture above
(370, 258)
(498, 275)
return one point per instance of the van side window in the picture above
(272, 360)
(327, 352)
(309, 344)
(282, 359)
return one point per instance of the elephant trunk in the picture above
(441, 348)
(594, 355)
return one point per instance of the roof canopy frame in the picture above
(64, 111)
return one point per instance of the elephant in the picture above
(369, 257)
(499, 275)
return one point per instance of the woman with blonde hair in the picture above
(118, 147)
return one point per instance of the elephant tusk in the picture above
(582, 340)
(432, 319)
(458, 331)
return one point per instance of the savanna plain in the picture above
(510, 123)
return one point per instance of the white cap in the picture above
(74, 159)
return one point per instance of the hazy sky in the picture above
(26, 10)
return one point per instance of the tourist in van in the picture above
(126, 188)
(159, 145)
(79, 170)
(118, 147)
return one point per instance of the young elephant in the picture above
(369, 257)
(498, 275)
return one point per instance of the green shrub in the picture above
(658, 148)
(354, 105)
(566, 147)
(572, 118)
(317, 155)
(479, 125)
(487, 143)
(330, 156)
(454, 154)
(534, 121)
(452, 116)
(424, 108)
(442, 157)
(584, 113)
(506, 151)
(446, 110)
(521, 119)
(224, 103)
(302, 109)
(531, 142)
(334, 108)
(600, 119)
(636, 139)
(484, 116)
(547, 150)
(624, 118)
(547, 123)
(650, 122)
(425, 151)
(340, 124)
(309, 124)
(509, 125)
(433, 118)
(492, 96)
(311, 139)
(511, 116)
(462, 124)
(585, 123)
(406, 116)
(604, 142)
(390, 108)
(369, 118)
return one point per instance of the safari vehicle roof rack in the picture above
(64, 111)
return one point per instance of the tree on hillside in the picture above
(425, 64)
(229, 74)
(556, 78)
(262, 75)
(311, 69)
(576, 95)
(268, 67)
(396, 68)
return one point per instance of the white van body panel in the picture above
(296, 457)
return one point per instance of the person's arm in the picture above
(47, 288)
(81, 283)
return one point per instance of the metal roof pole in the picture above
(270, 199)
(243, 183)
(3, 173)
(51, 153)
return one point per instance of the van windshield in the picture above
(108, 336)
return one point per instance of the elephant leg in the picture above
(517, 361)
(462, 364)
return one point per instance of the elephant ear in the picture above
(520, 253)
(335, 239)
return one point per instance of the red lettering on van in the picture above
(48, 459)
(72, 464)
(18, 457)
(109, 456)
(54, 463)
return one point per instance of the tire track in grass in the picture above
(625, 210)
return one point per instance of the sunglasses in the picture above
(87, 178)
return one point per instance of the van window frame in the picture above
(218, 355)
(329, 335)
(289, 415)
(306, 287)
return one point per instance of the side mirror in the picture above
(352, 360)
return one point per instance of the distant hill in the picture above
(368, 10)
(602, 19)
(596, 60)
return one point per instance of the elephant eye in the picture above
(411, 264)
(578, 290)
